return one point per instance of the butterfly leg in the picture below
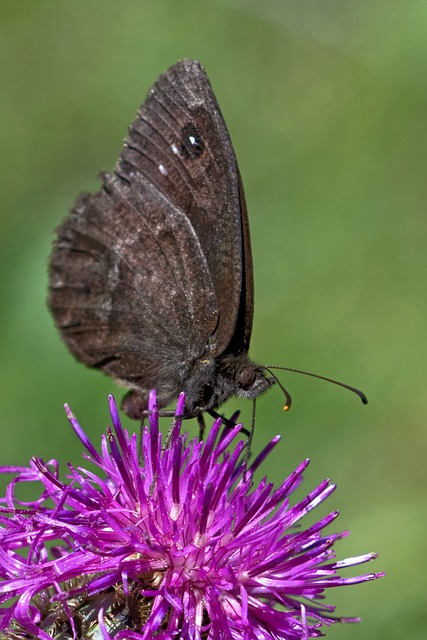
(201, 423)
(230, 423)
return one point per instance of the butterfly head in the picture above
(252, 381)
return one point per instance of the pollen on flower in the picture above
(174, 542)
(175, 511)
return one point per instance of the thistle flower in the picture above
(168, 543)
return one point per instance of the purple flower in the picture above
(169, 543)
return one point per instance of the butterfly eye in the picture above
(246, 377)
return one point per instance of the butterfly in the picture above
(150, 278)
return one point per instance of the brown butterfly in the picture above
(151, 276)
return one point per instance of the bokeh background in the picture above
(326, 103)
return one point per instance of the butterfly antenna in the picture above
(269, 368)
(286, 393)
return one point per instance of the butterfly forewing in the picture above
(179, 142)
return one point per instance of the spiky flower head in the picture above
(165, 543)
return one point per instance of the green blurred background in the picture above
(326, 102)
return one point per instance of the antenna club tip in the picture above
(286, 407)
(364, 399)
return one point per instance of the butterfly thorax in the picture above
(211, 382)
